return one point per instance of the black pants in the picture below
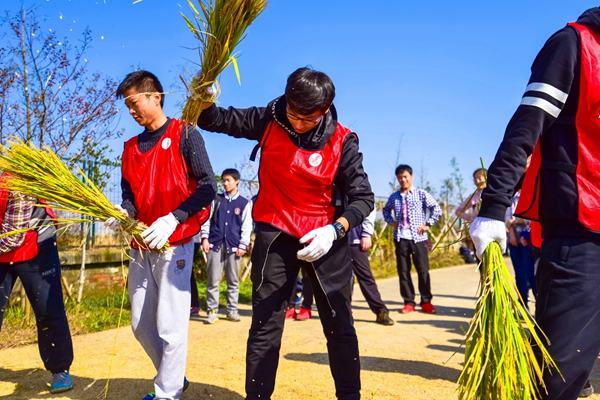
(405, 251)
(568, 311)
(272, 284)
(41, 279)
(194, 287)
(366, 282)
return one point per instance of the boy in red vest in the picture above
(558, 112)
(33, 257)
(309, 164)
(167, 183)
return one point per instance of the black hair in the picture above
(143, 82)
(308, 91)
(403, 167)
(232, 172)
(482, 170)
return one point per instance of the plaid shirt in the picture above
(19, 210)
(418, 201)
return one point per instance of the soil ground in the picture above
(420, 357)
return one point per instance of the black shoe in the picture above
(383, 318)
(587, 390)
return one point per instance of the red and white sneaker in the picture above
(428, 308)
(408, 308)
(304, 314)
(290, 313)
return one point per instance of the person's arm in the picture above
(353, 182)
(247, 123)
(368, 225)
(386, 211)
(435, 211)
(128, 202)
(196, 157)
(246, 229)
(19, 209)
(545, 96)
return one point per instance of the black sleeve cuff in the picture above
(181, 215)
(493, 211)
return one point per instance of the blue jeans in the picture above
(523, 263)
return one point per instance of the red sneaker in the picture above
(428, 308)
(290, 313)
(407, 309)
(304, 314)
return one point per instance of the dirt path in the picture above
(411, 360)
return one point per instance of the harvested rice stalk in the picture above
(40, 173)
(499, 360)
(220, 27)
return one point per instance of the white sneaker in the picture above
(212, 317)
(233, 316)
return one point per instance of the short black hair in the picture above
(143, 82)
(403, 167)
(482, 170)
(308, 91)
(232, 172)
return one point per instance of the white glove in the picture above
(114, 223)
(322, 240)
(159, 232)
(485, 231)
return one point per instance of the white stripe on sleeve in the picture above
(541, 103)
(549, 90)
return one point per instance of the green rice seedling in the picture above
(219, 26)
(40, 173)
(499, 359)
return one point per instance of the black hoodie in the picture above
(351, 180)
(547, 112)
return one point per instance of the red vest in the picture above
(160, 181)
(29, 248)
(296, 185)
(587, 125)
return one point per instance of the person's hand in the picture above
(205, 245)
(423, 229)
(322, 240)
(523, 241)
(485, 231)
(394, 225)
(365, 243)
(113, 223)
(159, 232)
(240, 252)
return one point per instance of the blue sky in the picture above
(433, 80)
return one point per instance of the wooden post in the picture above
(82, 270)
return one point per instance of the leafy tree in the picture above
(49, 97)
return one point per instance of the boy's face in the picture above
(405, 179)
(142, 107)
(229, 184)
(479, 178)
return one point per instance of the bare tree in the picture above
(47, 94)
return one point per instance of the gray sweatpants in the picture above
(159, 290)
(214, 269)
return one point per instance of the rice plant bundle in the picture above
(499, 360)
(219, 26)
(40, 173)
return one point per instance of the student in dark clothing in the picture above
(360, 243)
(33, 257)
(557, 123)
(309, 164)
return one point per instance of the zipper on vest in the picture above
(323, 289)
(262, 271)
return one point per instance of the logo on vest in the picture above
(237, 211)
(315, 159)
(166, 143)
(180, 264)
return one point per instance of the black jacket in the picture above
(547, 112)
(351, 180)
